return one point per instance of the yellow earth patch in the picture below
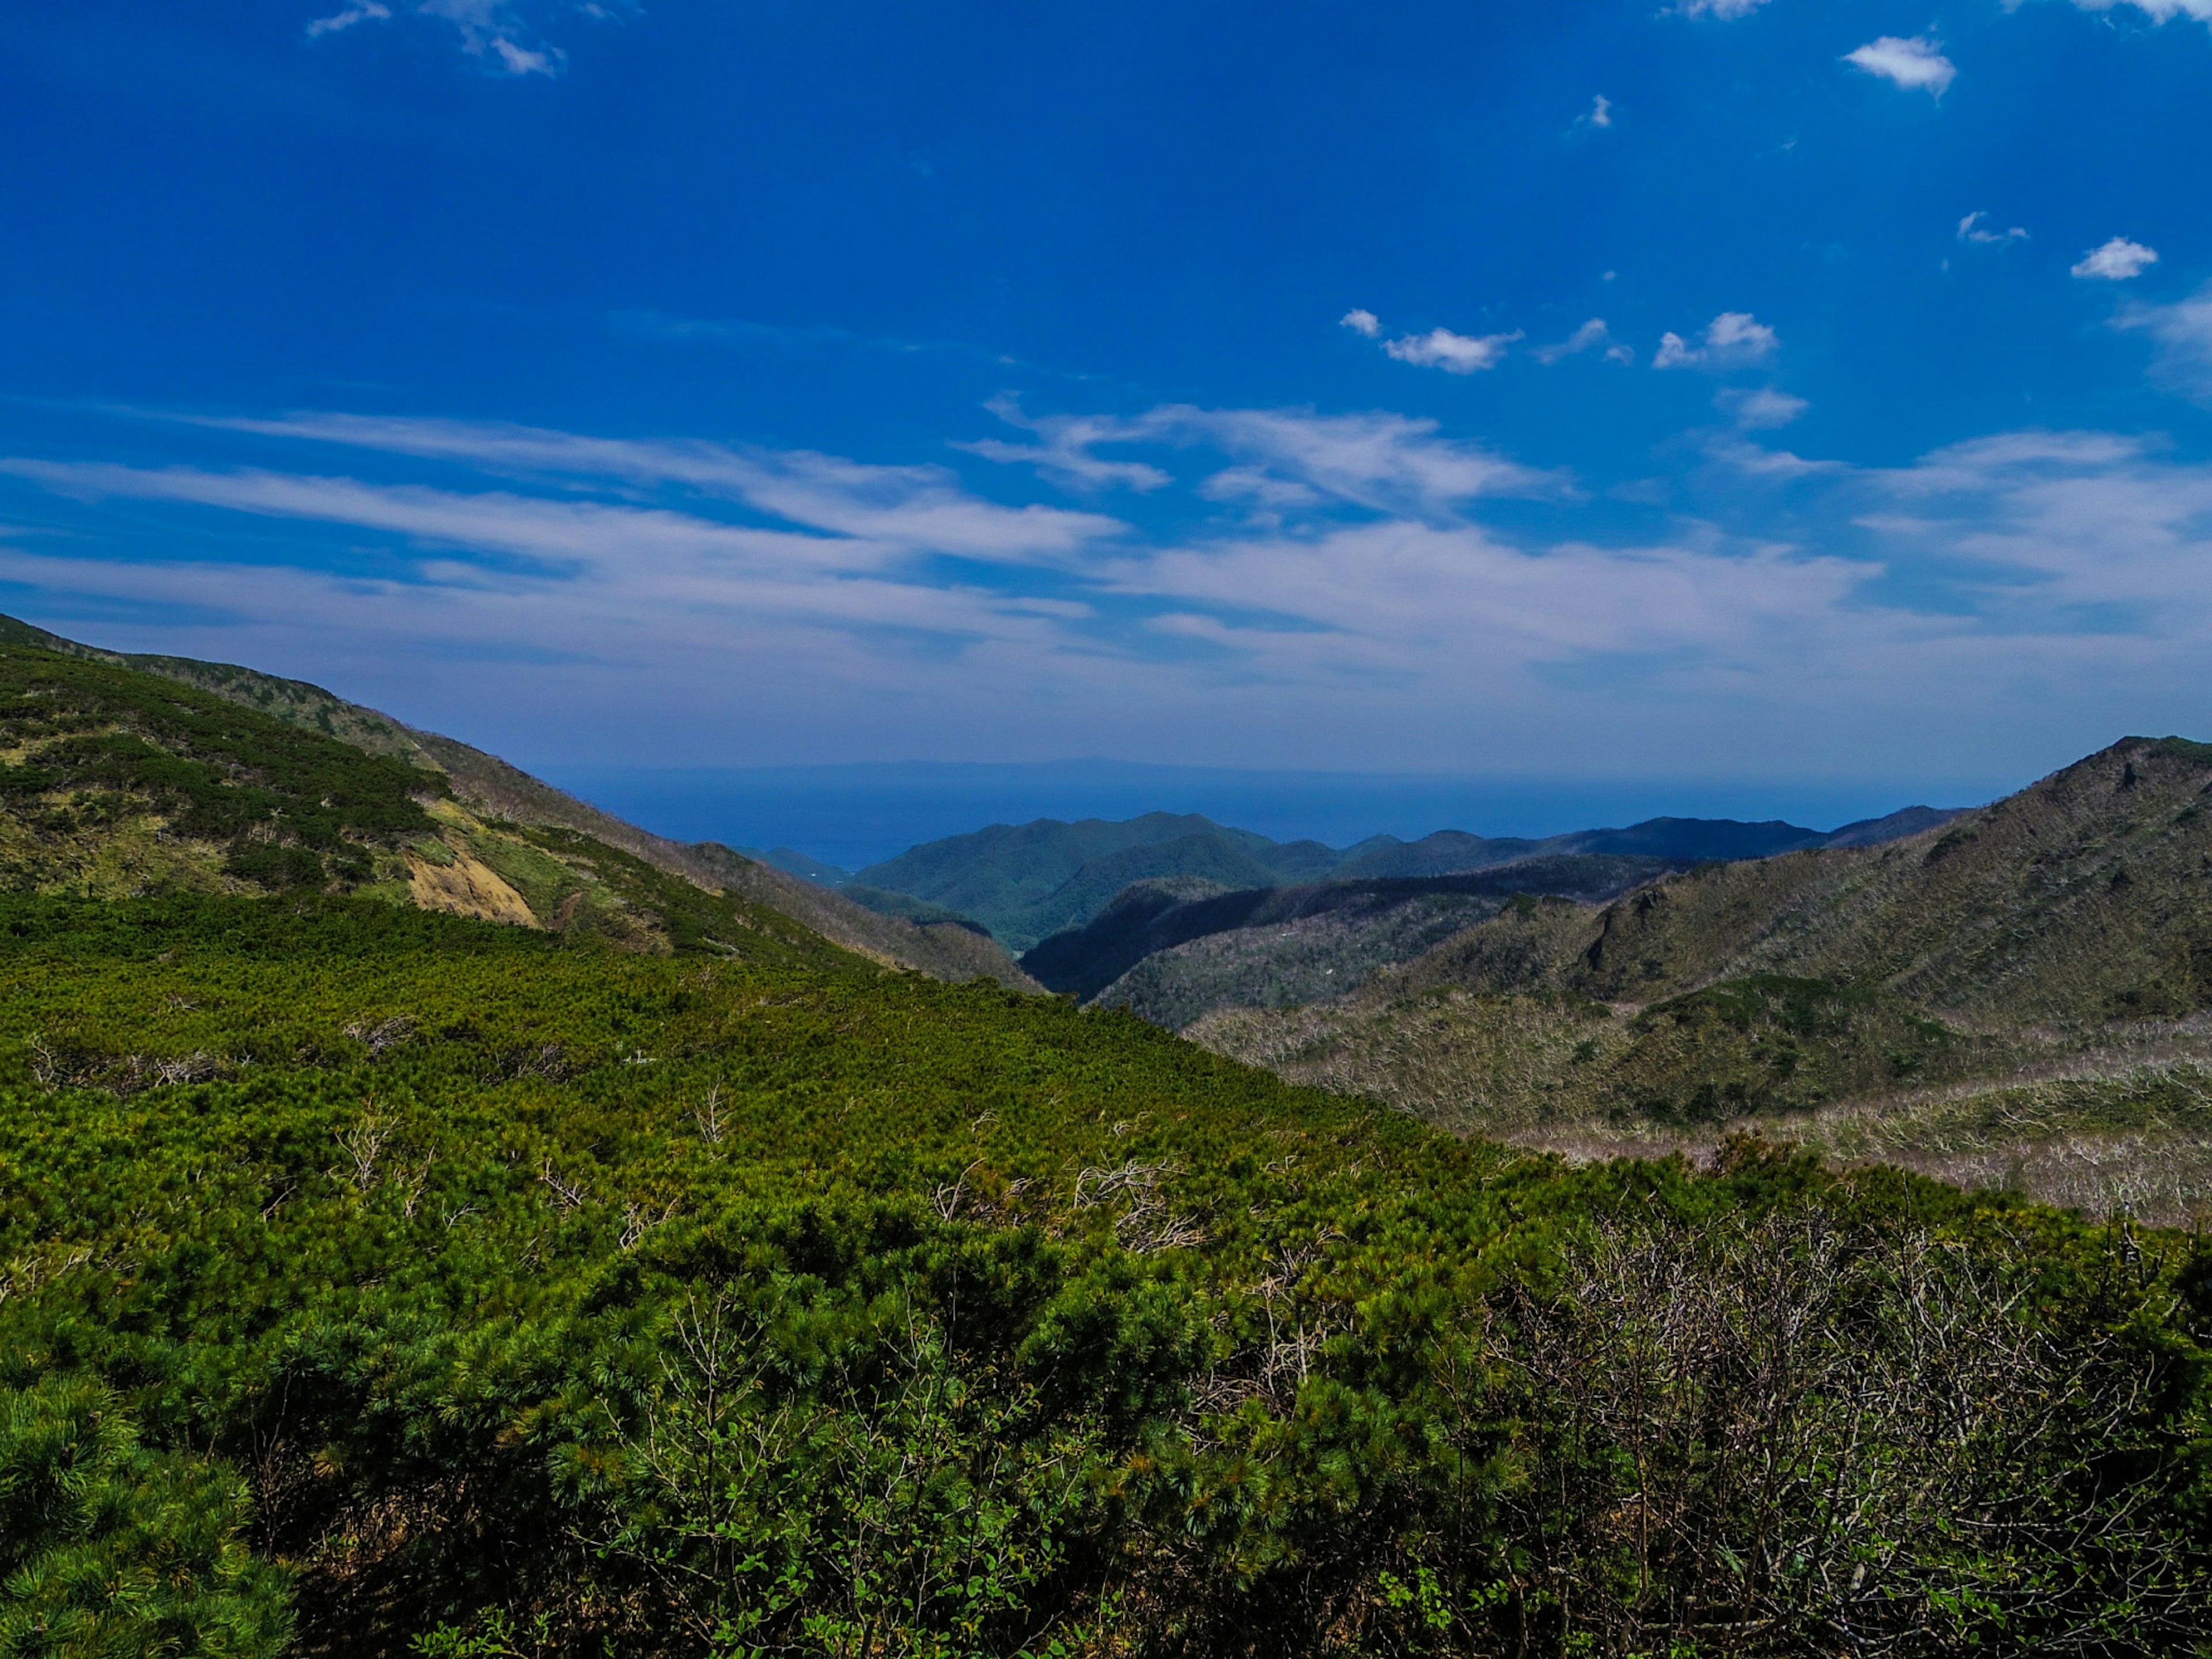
(466, 887)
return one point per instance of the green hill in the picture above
(140, 774)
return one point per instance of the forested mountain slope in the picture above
(1025, 882)
(1171, 951)
(493, 840)
(2084, 897)
(375, 1281)
(2060, 936)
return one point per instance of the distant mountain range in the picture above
(1025, 882)
(1173, 951)
(2039, 967)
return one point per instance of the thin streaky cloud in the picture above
(1972, 229)
(2023, 533)
(369, 11)
(916, 506)
(499, 32)
(2159, 11)
(2181, 336)
(1762, 409)
(1592, 335)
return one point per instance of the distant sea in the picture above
(857, 814)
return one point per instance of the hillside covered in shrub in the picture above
(378, 1281)
(133, 775)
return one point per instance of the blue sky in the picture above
(1725, 391)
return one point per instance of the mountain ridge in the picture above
(2064, 931)
(490, 787)
(1024, 883)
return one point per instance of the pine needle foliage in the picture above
(392, 1282)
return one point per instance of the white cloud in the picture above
(1065, 455)
(1383, 462)
(1741, 334)
(369, 11)
(499, 31)
(1590, 337)
(1763, 409)
(2182, 334)
(1917, 64)
(2049, 521)
(1367, 623)
(916, 507)
(2116, 261)
(1454, 354)
(1599, 114)
(1733, 338)
(1972, 229)
(1772, 465)
(1720, 9)
(2159, 11)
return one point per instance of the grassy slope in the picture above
(496, 791)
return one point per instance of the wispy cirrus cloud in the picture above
(501, 33)
(1972, 229)
(1592, 335)
(2181, 334)
(1063, 451)
(921, 508)
(368, 12)
(1367, 579)
(1762, 407)
(1724, 9)
(1377, 462)
(2159, 11)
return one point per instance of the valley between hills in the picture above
(438, 1217)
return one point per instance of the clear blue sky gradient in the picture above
(712, 384)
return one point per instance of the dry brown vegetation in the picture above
(2012, 1001)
